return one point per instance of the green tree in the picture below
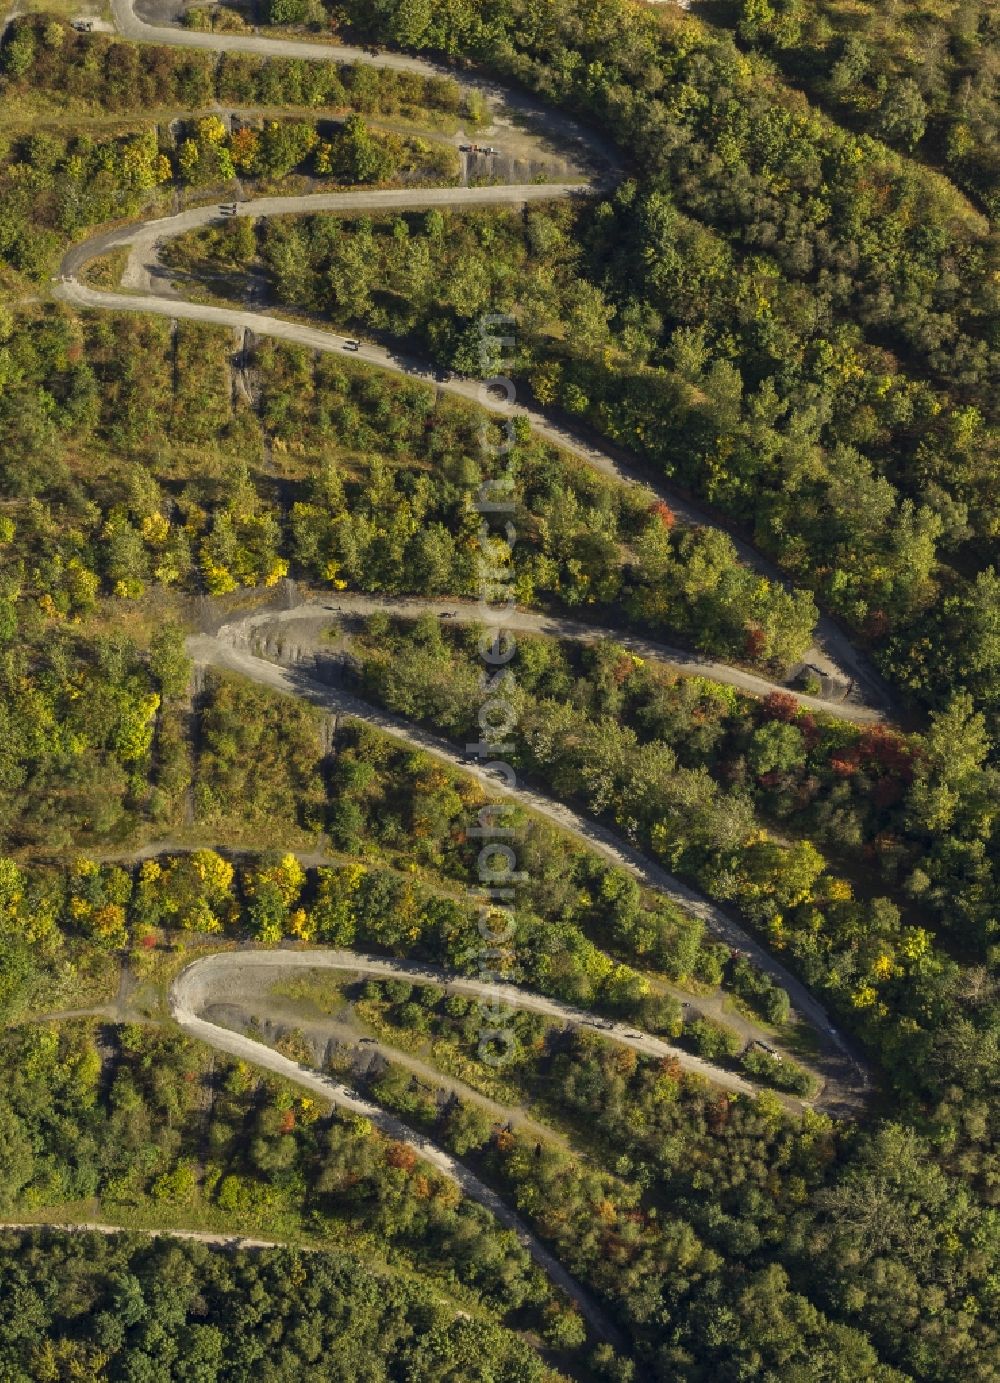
(903, 114)
(359, 156)
(776, 747)
(949, 779)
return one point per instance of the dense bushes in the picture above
(137, 1137)
(81, 756)
(47, 55)
(120, 1305)
(924, 81)
(878, 797)
(788, 318)
(56, 186)
(733, 145)
(269, 150)
(573, 949)
(723, 1187)
(260, 759)
(265, 1160)
(757, 1190)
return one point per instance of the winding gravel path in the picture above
(846, 1081)
(276, 1016)
(511, 111)
(834, 653)
(867, 699)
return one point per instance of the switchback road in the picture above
(834, 655)
(846, 1081)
